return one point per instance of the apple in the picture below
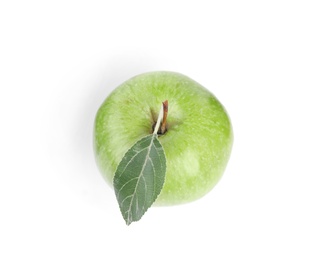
(198, 138)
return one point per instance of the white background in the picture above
(58, 62)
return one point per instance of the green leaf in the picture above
(140, 177)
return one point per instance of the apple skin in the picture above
(197, 143)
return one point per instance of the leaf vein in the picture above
(144, 165)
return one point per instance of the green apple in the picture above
(197, 143)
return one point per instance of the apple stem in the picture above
(161, 122)
(165, 111)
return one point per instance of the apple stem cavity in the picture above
(160, 127)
